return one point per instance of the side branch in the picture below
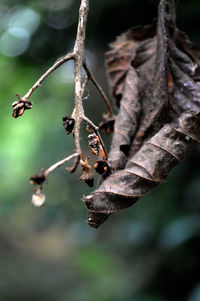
(96, 84)
(71, 123)
(57, 64)
(58, 164)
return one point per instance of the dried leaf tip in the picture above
(96, 219)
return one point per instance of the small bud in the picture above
(68, 123)
(89, 129)
(38, 178)
(107, 125)
(94, 143)
(38, 199)
(102, 167)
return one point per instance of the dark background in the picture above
(149, 252)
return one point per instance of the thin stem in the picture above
(73, 168)
(58, 164)
(96, 130)
(102, 144)
(96, 84)
(90, 123)
(57, 64)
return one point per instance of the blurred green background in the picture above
(149, 252)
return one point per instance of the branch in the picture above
(58, 164)
(38, 198)
(41, 177)
(105, 98)
(57, 64)
(71, 123)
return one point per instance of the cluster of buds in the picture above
(19, 106)
(94, 143)
(95, 146)
(101, 166)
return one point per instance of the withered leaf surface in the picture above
(122, 52)
(144, 171)
(155, 80)
(127, 85)
(126, 122)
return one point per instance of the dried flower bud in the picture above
(20, 106)
(68, 123)
(107, 125)
(38, 178)
(89, 129)
(18, 112)
(94, 143)
(102, 167)
(87, 175)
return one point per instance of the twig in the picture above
(73, 168)
(96, 84)
(58, 164)
(78, 55)
(57, 64)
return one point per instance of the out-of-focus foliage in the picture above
(149, 252)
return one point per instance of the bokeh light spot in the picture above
(14, 42)
(25, 18)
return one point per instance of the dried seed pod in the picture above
(94, 143)
(18, 112)
(20, 106)
(68, 123)
(27, 105)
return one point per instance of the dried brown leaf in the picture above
(147, 168)
(157, 87)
